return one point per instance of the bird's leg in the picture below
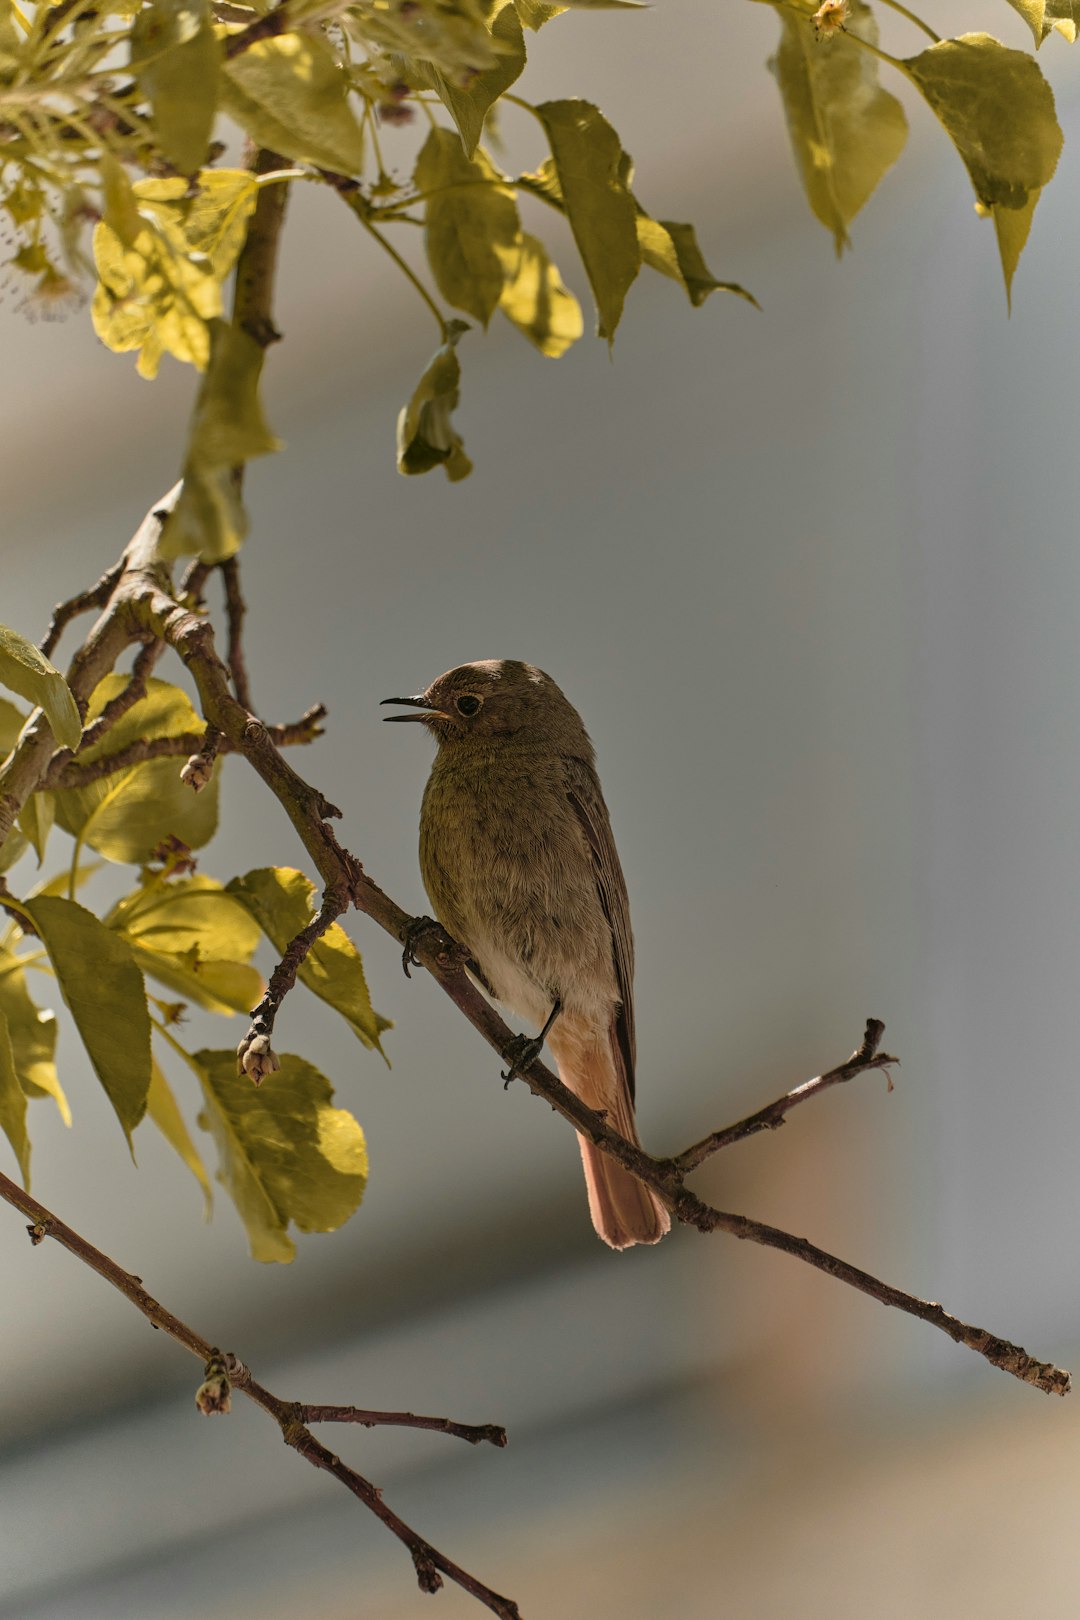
(524, 1049)
(418, 927)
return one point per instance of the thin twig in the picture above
(67, 772)
(236, 608)
(474, 1433)
(290, 1416)
(64, 612)
(772, 1115)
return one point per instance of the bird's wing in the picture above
(587, 801)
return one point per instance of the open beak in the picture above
(413, 703)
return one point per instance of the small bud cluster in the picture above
(256, 1058)
(214, 1395)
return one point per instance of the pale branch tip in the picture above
(223, 1373)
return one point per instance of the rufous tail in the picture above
(623, 1210)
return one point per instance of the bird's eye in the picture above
(468, 704)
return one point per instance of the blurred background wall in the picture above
(812, 577)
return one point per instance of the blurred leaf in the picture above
(35, 821)
(228, 429)
(673, 250)
(426, 436)
(13, 1104)
(538, 303)
(12, 721)
(176, 60)
(14, 846)
(163, 1109)
(471, 226)
(26, 671)
(535, 13)
(104, 991)
(290, 95)
(121, 209)
(32, 1033)
(470, 101)
(846, 132)
(282, 902)
(1012, 227)
(195, 939)
(588, 159)
(126, 815)
(285, 1154)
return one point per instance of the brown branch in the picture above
(236, 608)
(64, 612)
(67, 772)
(866, 1056)
(474, 1433)
(268, 26)
(292, 1417)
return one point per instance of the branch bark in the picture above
(292, 1417)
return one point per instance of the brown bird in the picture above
(518, 859)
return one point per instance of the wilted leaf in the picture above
(35, 821)
(26, 671)
(998, 110)
(290, 95)
(426, 436)
(538, 303)
(673, 250)
(846, 132)
(13, 1104)
(32, 1033)
(588, 160)
(194, 938)
(126, 815)
(228, 428)
(285, 1153)
(176, 60)
(104, 991)
(471, 225)
(281, 900)
(163, 1109)
(469, 102)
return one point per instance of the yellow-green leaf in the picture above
(176, 59)
(471, 227)
(26, 671)
(164, 1110)
(538, 303)
(673, 250)
(469, 100)
(104, 991)
(589, 162)
(846, 132)
(32, 1033)
(291, 96)
(121, 210)
(13, 1104)
(35, 821)
(998, 111)
(1043, 16)
(194, 938)
(228, 428)
(281, 900)
(535, 13)
(126, 815)
(285, 1154)
(426, 436)
(12, 721)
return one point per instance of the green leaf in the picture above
(998, 111)
(426, 436)
(35, 821)
(26, 671)
(13, 1104)
(104, 992)
(469, 102)
(177, 60)
(290, 95)
(121, 209)
(1043, 16)
(163, 1109)
(282, 902)
(285, 1154)
(535, 13)
(538, 303)
(32, 1033)
(471, 227)
(673, 250)
(12, 721)
(194, 938)
(126, 815)
(228, 429)
(589, 162)
(846, 132)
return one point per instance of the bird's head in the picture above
(497, 698)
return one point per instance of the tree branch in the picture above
(67, 771)
(236, 608)
(292, 1417)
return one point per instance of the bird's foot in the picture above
(523, 1050)
(418, 927)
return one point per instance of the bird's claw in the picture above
(523, 1050)
(418, 927)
